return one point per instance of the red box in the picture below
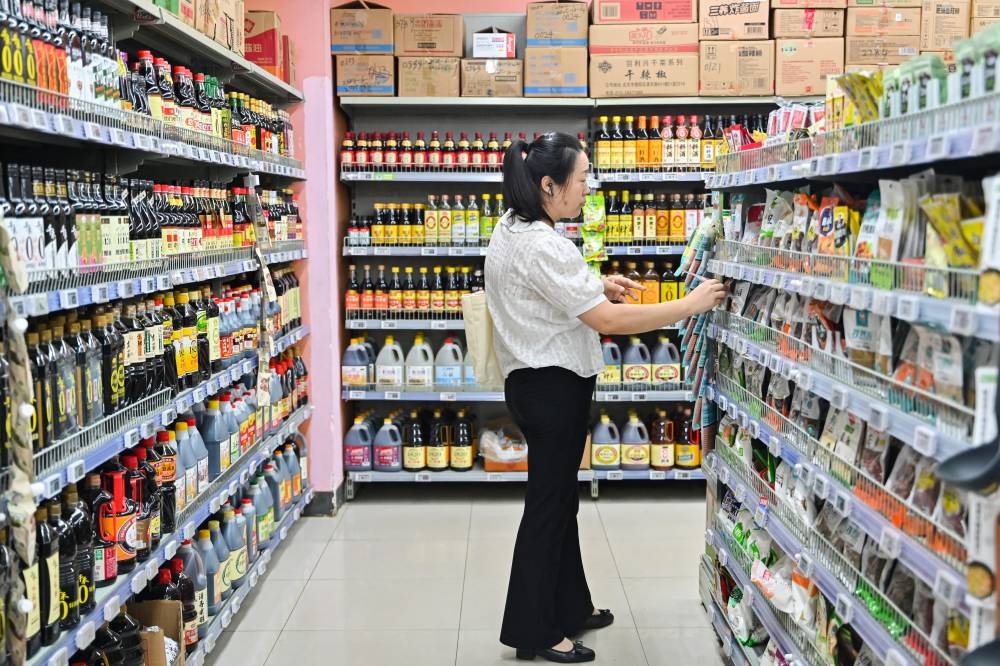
(263, 41)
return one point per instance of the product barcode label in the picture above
(639, 397)
(657, 475)
(423, 477)
(962, 320)
(439, 325)
(389, 324)
(357, 324)
(610, 11)
(392, 395)
(616, 475)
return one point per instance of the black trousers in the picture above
(548, 598)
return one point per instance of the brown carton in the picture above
(289, 74)
(883, 3)
(240, 27)
(643, 11)
(183, 9)
(557, 23)
(421, 76)
(367, 75)
(737, 68)
(664, 75)
(981, 23)
(643, 38)
(801, 66)
(493, 43)
(492, 78)
(169, 617)
(361, 27)
(875, 21)
(944, 22)
(440, 35)
(217, 20)
(800, 23)
(719, 21)
(557, 71)
(881, 50)
(263, 41)
(808, 4)
(986, 8)
(947, 56)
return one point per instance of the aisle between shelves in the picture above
(110, 599)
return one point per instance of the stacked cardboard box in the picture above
(218, 20)
(493, 70)
(362, 41)
(882, 32)
(429, 50)
(555, 56)
(265, 41)
(942, 23)
(735, 55)
(984, 14)
(183, 9)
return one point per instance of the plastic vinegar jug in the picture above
(250, 517)
(390, 365)
(420, 364)
(235, 536)
(194, 569)
(635, 444)
(213, 571)
(605, 445)
(388, 448)
(448, 365)
(354, 367)
(612, 374)
(666, 363)
(358, 447)
(222, 552)
(636, 368)
(215, 434)
(662, 443)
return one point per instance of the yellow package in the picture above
(944, 213)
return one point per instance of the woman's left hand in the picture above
(618, 287)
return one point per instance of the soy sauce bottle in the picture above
(81, 527)
(69, 583)
(47, 544)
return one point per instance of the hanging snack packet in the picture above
(874, 565)
(951, 510)
(593, 229)
(890, 232)
(859, 333)
(926, 489)
(948, 367)
(904, 473)
(875, 455)
(807, 411)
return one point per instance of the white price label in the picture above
(937, 147)
(814, 165)
(355, 395)
(840, 397)
(925, 441)
(845, 608)
(423, 477)
(890, 542)
(774, 446)
(683, 475)
(657, 475)
(821, 290)
(633, 251)
(126, 289)
(389, 324)
(456, 251)
(804, 379)
(494, 476)
(860, 298)
(948, 588)
(820, 487)
(357, 324)
(743, 419)
(908, 308)
(68, 299)
(199, 394)
(760, 515)
(639, 397)
(740, 492)
(723, 402)
(392, 395)
(449, 397)
(879, 418)
(666, 249)
(168, 416)
(984, 140)
(839, 293)
(439, 325)
(831, 164)
(806, 286)
(842, 503)
(724, 475)
(723, 558)
(900, 153)
(754, 429)
(111, 608)
(131, 438)
(962, 320)
(147, 429)
(428, 251)
(882, 302)
(616, 475)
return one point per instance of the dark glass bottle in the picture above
(103, 547)
(69, 581)
(47, 545)
(81, 528)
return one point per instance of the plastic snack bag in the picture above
(593, 229)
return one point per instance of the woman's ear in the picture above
(548, 186)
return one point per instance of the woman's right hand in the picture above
(706, 296)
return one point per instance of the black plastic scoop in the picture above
(975, 469)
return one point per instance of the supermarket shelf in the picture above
(731, 648)
(256, 571)
(607, 102)
(920, 434)
(406, 324)
(962, 130)
(348, 102)
(286, 341)
(278, 256)
(474, 251)
(111, 598)
(498, 396)
(422, 176)
(650, 177)
(850, 609)
(929, 568)
(162, 278)
(168, 36)
(482, 476)
(956, 316)
(69, 459)
(761, 608)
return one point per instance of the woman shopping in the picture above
(547, 311)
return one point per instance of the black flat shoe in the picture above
(577, 655)
(603, 619)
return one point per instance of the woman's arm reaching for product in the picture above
(612, 319)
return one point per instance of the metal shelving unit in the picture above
(459, 395)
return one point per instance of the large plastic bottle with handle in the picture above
(390, 365)
(666, 363)
(611, 376)
(388, 448)
(420, 364)
(448, 366)
(605, 445)
(635, 444)
(636, 367)
(354, 366)
(358, 447)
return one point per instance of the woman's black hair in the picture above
(525, 164)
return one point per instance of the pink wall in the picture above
(319, 124)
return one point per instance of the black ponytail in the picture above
(525, 164)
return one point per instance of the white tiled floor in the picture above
(418, 576)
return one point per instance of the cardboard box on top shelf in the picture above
(660, 75)
(643, 11)
(240, 27)
(802, 66)
(883, 3)
(493, 43)
(801, 23)
(371, 75)
(217, 19)
(441, 35)
(739, 21)
(169, 617)
(875, 21)
(492, 78)
(737, 68)
(947, 56)
(264, 41)
(808, 4)
(981, 23)
(986, 8)
(421, 76)
(557, 23)
(555, 71)
(289, 75)
(183, 9)
(361, 27)
(944, 22)
(643, 38)
(881, 50)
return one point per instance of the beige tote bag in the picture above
(479, 337)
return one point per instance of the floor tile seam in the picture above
(618, 569)
(461, 594)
